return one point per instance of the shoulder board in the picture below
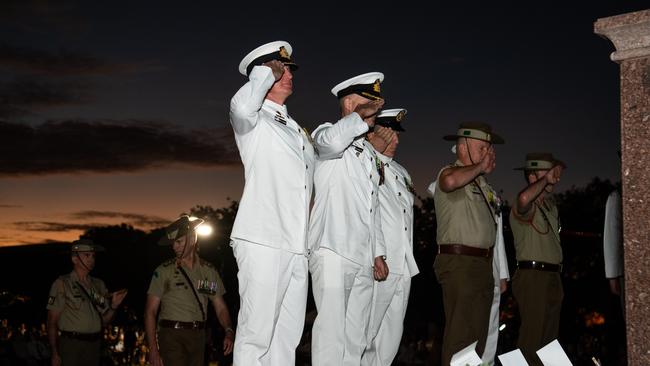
(168, 262)
(206, 263)
(64, 278)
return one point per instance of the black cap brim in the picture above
(496, 139)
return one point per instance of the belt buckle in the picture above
(177, 325)
(195, 325)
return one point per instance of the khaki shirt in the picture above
(537, 239)
(78, 312)
(177, 300)
(464, 216)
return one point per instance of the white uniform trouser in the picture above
(343, 295)
(390, 300)
(493, 329)
(273, 299)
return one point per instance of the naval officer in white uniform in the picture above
(396, 197)
(269, 236)
(347, 245)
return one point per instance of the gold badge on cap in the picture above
(284, 53)
(376, 87)
(400, 116)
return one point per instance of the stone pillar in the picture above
(630, 34)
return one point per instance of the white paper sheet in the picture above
(513, 358)
(553, 355)
(466, 356)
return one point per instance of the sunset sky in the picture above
(117, 112)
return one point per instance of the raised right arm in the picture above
(247, 102)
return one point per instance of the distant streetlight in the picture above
(203, 229)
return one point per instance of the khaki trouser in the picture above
(467, 291)
(75, 352)
(181, 347)
(539, 295)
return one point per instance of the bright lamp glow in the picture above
(204, 230)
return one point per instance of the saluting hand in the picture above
(553, 175)
(380, 269)
(488, 161)
(277, 68)
(368, 111)
(392, 146)
(386, 133)
(384, 137)
(117, 297)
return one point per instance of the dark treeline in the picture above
(591, 318)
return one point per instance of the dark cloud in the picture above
(137, 220)
(43, 16)
(73, 146)
(52, 226)
(26, 95)
(62, 62)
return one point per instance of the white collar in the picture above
(276, 107)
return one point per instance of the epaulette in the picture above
(206, 263)
(169, 262)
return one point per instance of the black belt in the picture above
(90, 337)
(460, 249)
(540, 266)
(181, 325)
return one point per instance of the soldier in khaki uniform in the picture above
(180, 288)
(537, 285)
(78, 307)
(466, 208)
